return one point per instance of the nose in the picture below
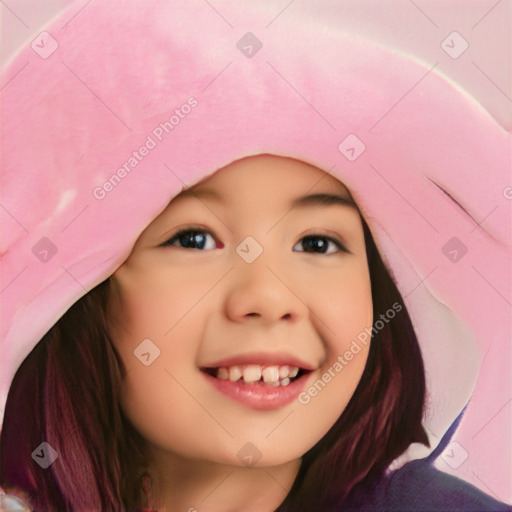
(261, 290)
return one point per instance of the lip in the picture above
(262, 359)
(258, 395)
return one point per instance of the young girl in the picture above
(216, 290)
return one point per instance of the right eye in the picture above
(191, 238)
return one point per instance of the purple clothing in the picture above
(418, 486)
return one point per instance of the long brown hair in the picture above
(66, 393)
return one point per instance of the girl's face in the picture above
(258, 279)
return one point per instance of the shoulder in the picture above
(419, 486)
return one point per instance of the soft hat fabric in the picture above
(115, 108)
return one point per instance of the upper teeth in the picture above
(274, 375)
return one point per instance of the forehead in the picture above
(265, 176)
(262, 185)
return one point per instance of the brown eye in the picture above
(191, 239)
(320, 244)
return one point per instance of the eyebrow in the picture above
(321, 199)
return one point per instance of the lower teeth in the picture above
(282, 382)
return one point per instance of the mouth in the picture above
(257, 375)
(259, 387)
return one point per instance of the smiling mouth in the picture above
(253, 374)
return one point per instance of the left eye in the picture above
(321, 242)
(196, 239)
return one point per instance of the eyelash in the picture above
(190, 230)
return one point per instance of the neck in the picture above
(181, 484)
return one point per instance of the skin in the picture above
(204, 303)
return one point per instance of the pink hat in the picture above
(116, 107)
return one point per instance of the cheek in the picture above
(148, 307)
(151, 302)
(343, 302)
(344, 308)
(156, 402)
(345, 312)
